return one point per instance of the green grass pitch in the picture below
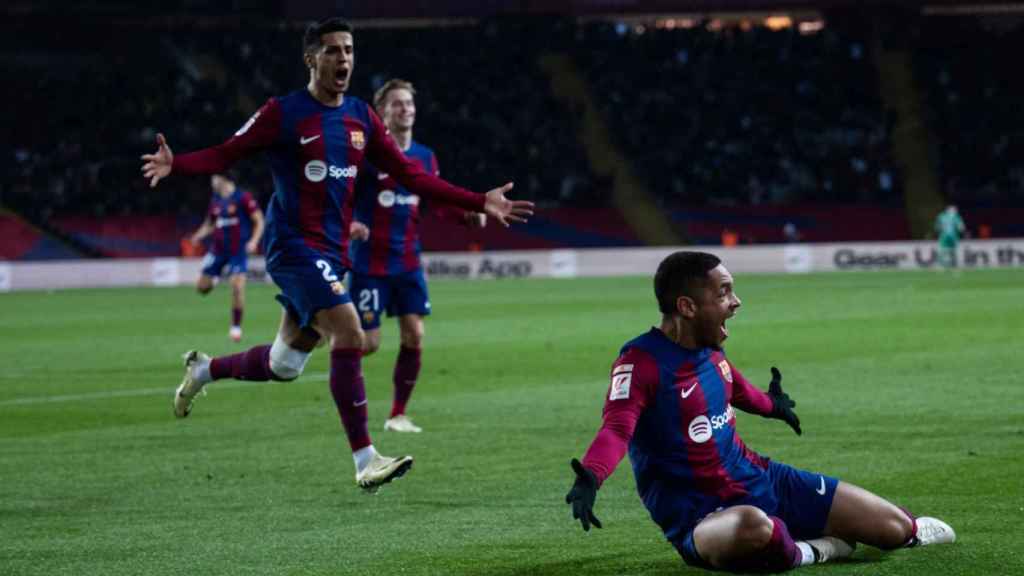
(908, 384)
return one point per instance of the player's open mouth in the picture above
(341, 77)
(724, 330)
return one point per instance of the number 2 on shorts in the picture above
(326, 270)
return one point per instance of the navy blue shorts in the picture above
(801, 499)
(228, 264)
(308, 284)
(398, 295)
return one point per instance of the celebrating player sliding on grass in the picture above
(723, 506)
(317, 140)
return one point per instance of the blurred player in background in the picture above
(386, 271)
(317, 141)
(723, 506)
(950, 228)
(236, 223)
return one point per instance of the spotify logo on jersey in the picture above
(386, 198)
(316, 171)
(700, 429)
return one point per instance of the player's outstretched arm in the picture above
(157, 165)
(782, 405)
(257, 134)
(582, 496)
(504, 210)
(634, 381)
(385, 155)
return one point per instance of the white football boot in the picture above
(381, 470)
(401, 423)
(933, 531)
(235, 333)
(190, 386)
(829, 548)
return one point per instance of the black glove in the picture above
(782, 406)
(582, 496)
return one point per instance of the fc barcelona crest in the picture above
(358, 139)
(232, 209)
(726, 372)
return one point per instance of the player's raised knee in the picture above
(895, 530)
(355, 339)
(287, 363)
(753, 528)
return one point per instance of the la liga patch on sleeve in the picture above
(622, 377)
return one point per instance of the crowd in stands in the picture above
(93, 101)
(736, 117)
(84, 104)
(744, 116)
(969, 70)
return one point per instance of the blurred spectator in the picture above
(90, 100)
(790, 233)
(730, 116)
(970, 71)
(744, 115)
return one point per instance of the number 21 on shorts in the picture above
(366, 296)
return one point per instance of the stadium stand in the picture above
(705, 115)
(970, 72)
(744, 116)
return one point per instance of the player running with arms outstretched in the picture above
(387, 274)
(723, 506)
(235, 221)
(316, 140)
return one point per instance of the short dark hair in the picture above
(679, 274)
(315, 31)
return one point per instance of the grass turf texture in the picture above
(906, 383)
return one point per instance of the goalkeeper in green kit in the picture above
(950, 228)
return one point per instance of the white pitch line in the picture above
(166, 390)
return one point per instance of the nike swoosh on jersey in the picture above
(686, 393)
(821, 490)
(382, 176)
(303, 140)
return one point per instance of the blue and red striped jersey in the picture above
(231, 218)
(673, 408)
(315, 153)
(393, 215)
